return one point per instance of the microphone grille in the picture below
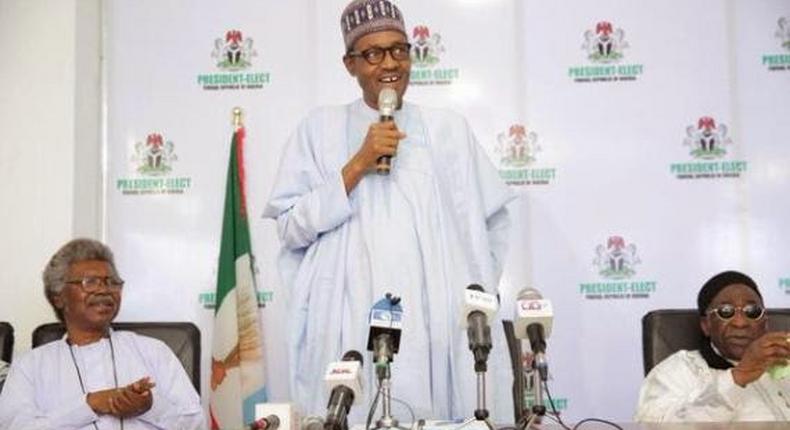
(312, 422)
(310, 419)
(529, 294)
(388, 101)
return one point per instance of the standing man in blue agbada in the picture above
(436, 223)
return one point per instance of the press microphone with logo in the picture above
(388, 102)
(271, 422)
(478, 310)
(343, 381)
(386, 320)
(534, 316)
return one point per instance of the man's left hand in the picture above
(133, 399)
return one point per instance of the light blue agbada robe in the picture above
(436, 224)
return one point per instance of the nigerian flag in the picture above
(237, 370)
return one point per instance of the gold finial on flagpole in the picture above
(237, 114)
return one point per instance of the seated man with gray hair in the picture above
(95, 378)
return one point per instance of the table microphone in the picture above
(271, 422)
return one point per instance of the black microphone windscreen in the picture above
(476, 287)
(353, 355)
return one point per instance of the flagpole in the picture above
(237, 118)
(238, 380)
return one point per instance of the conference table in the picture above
(592, 425)
(595, 425)
(672, 426)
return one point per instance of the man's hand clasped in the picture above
(131, 400)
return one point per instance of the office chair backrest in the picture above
(182, 337)
(6, 342)
(666, 331)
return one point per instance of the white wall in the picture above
(606, 149)
(49, 145)
(707, 62)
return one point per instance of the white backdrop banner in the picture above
(648, 142)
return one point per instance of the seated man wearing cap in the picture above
(95, 378)
(729, 377)
(435, 224)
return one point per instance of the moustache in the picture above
(101, 299)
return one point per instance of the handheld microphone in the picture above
(343, 379)
(534, 316)
(388, 102)
(271, 422)
(478, 309)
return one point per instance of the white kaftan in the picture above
(43, 387)
(683, 388)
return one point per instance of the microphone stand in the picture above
(383, 347)
(535, 378)
(540, 374)
(481, 413)
(480, 351)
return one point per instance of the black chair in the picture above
(666, 331)
(7, 345)
(182, 337)
(6, 342)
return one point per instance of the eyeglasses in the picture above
(92, 284)
(376, 54)
(726, 312)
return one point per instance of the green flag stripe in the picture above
(235, 229)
